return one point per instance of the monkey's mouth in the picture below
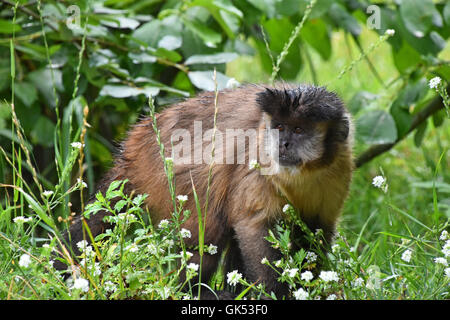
(287, 160)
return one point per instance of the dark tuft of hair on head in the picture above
(304, 102)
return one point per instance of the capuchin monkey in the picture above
(303, 137)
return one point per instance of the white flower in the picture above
(358, 282)
(390, 32)
(446, 249)
(291, 272)
(81, 182)
(442, 261)
(328, 276)
(406, 255)
(332, 297)
(22, 219)
(187, 256)
(192, 267)
(132, 248)
(253, 164)
(185, 233)
(307, 276)
(278, 263)
(109, 286)
(286, 208)
(81, 284)
(169, 160)
(24, 261)
(232, 83)
(47, 193)
(301, 294)
(433, 84)
(444, 235)
(164, 223)
(378, 181)
(447, 272)
(311, 256)
(212, 249)
(182, 198)
(82, 245)
(77, 145)
(264, 260)
(233, 277)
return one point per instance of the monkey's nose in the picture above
(284, 147)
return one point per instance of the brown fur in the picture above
(243, 204)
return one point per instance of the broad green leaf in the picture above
(204, 80)
(6, 26)
(376, 127)
(360, 101)
(26, 92)
(315, 32)
(120, 22)
(446, 14)
(217, 58)
(406, 58)
(419, 16)
(266, 6)
(142, 57)
(122, 91)
(344, 19)
(170, 42)
(209, 36)
(43, 132)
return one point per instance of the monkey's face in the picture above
(310, 123)
(298, 142)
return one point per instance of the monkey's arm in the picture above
(254, 247)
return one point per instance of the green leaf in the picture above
(315, 32)
(446, 14)
(266, 6)
(209, 36)
(43, 131)
(376, 127)
(122, 91)
(419, 16)
(406, 58)
(360, 101)
(204, 80)
(26, 92)
(344, 19)
(420, 134)
(217, 58)
(7, 26)
(170, 42)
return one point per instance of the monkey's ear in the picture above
(342, 129)
(268, 100)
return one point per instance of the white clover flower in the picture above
(332, 297)
(22, 219)
(441, 260)
(444, 235)
(433, 84)
(264, 260)
(232, 83)
(301, 294)
(307, 276)
(47, 193)
(82, 245)
(406, 255)
(253, 164)
(25, 261)
(164, 223)
(311, 257)
(212, 249)
(286, 207)
(77, 145)
(233, 277)
(182, 198)
(328, 276)
(185, 233)
(390, 32)
(81, 284)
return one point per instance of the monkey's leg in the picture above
(254, 247)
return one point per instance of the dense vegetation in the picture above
(73, 78)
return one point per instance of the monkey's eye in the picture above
(298, 130)
(279, 127)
